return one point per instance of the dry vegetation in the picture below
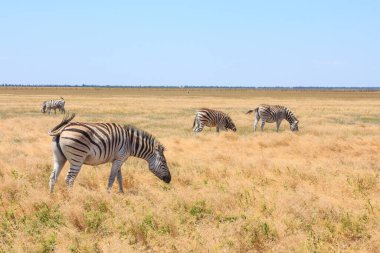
(313, 191)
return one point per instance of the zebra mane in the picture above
(143, 133)
(66, 119)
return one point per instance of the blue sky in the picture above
(250, 43)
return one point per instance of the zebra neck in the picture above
(140, 144)
(289, 116)
(143, 153)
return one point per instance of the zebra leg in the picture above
(120, 181)
(217, 129)
(59, 162)
(262, 124)
(257, 118)
(116, 166)
(72, 174)
(278, 123)
(255, 125)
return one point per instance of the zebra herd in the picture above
(222, 121)
(98, 143)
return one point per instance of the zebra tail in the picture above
(194, 122)
(251, 111)
(57, 130)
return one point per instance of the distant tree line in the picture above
(195, 86)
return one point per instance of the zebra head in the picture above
(230, 124)
(294, 126)
(158, 166)
(43, 107)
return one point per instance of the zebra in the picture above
(98, 143)
(274, 113)
(53, 105)
(212, 118)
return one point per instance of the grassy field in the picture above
(313, 191)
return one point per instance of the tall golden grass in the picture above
(312, 191)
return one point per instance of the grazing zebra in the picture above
(98, 143)
(53, 105)
(212, 118)
(274, 113)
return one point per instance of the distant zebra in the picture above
(274, 113)
(49, 105)
(99, 143)
(212, 118)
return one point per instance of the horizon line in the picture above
(194, 86)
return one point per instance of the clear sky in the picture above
(258, 43)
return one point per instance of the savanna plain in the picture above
(316, 190)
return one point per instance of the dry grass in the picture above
(314, 191)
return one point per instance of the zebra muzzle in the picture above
(167, 178)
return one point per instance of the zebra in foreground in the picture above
(212, 118)
(49, 105)
(274, 113)
(99, 143)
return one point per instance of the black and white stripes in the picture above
(274, 113)
(212, 118)
(98, 143)
(49, 105)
